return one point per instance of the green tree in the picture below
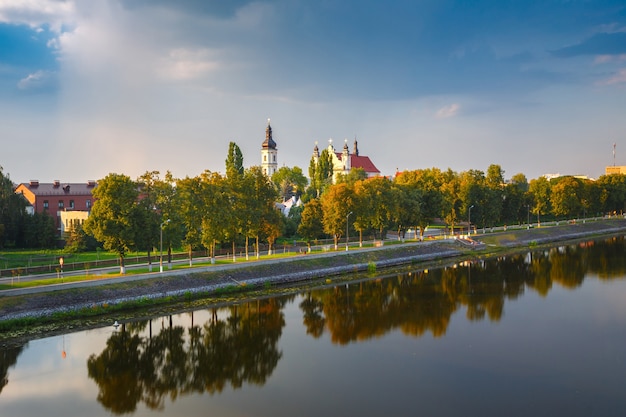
(290, 182)
(214, 198)
(260, 196)
(12, 213)
(539, 190)
(39, 231)
(494, 195)
(428, 183)
(409, 208)
(380, 203)
(321, 173)
(612, 193)
(236, 208)
(337, 202)
(311, 224)
(234, 161)
(515, 204)
(190, 194)
(113, 214)
(355, 174)
(565, 196)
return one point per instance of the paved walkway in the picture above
(242, 263)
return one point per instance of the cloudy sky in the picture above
(90, 87)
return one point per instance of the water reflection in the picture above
(424, 301)
(230, 349)
(151, 362)
(8, 359)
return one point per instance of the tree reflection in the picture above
(240, 348)
(8, 358)
(424, 301)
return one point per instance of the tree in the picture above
(377, 196)
(355, 174)
(451, 202)
(113, 214)
(236, 213)
(612, 193)
(39, 231)
(214, 198)
(259, 195)
(321, 173)
(191, 196)
(148, 215)
(565, 196)
(515, 204)
(494, 194)
(539, 190)
(234, 161)
(429, 183)
(336, 204)
(12, 213)
(79, 241)
(409, 208)
(311, 224)
(290, 182)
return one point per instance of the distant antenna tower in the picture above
(614, 144)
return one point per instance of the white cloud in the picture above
(35, 80)
(448, 111)
(36, 13)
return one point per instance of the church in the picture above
(343, 161)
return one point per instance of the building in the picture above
(269, 153)
(55, 198)
(345, 161)
(620, 169)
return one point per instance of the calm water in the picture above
(539, 334)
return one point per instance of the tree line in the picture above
(238, 209)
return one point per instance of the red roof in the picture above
(357, 161)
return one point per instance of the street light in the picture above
(347, 230)
(528, 216)
(469, 220)
(161, 257)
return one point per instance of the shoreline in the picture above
(44, 311)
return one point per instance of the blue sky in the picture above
(129, 86)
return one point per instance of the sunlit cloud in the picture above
(448, 111)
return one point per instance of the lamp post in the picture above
(469, 220)
(61, 260)
(528, 216)
(161, 255)
(347, 230)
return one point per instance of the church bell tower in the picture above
(269, 153)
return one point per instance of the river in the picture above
(539, 333)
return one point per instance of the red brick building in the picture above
(56, 197)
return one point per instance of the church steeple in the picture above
(356, 147)
(269, 153)
(268, 143)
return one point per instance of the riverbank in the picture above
(205, 286)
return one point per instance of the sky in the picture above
(92, 87)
